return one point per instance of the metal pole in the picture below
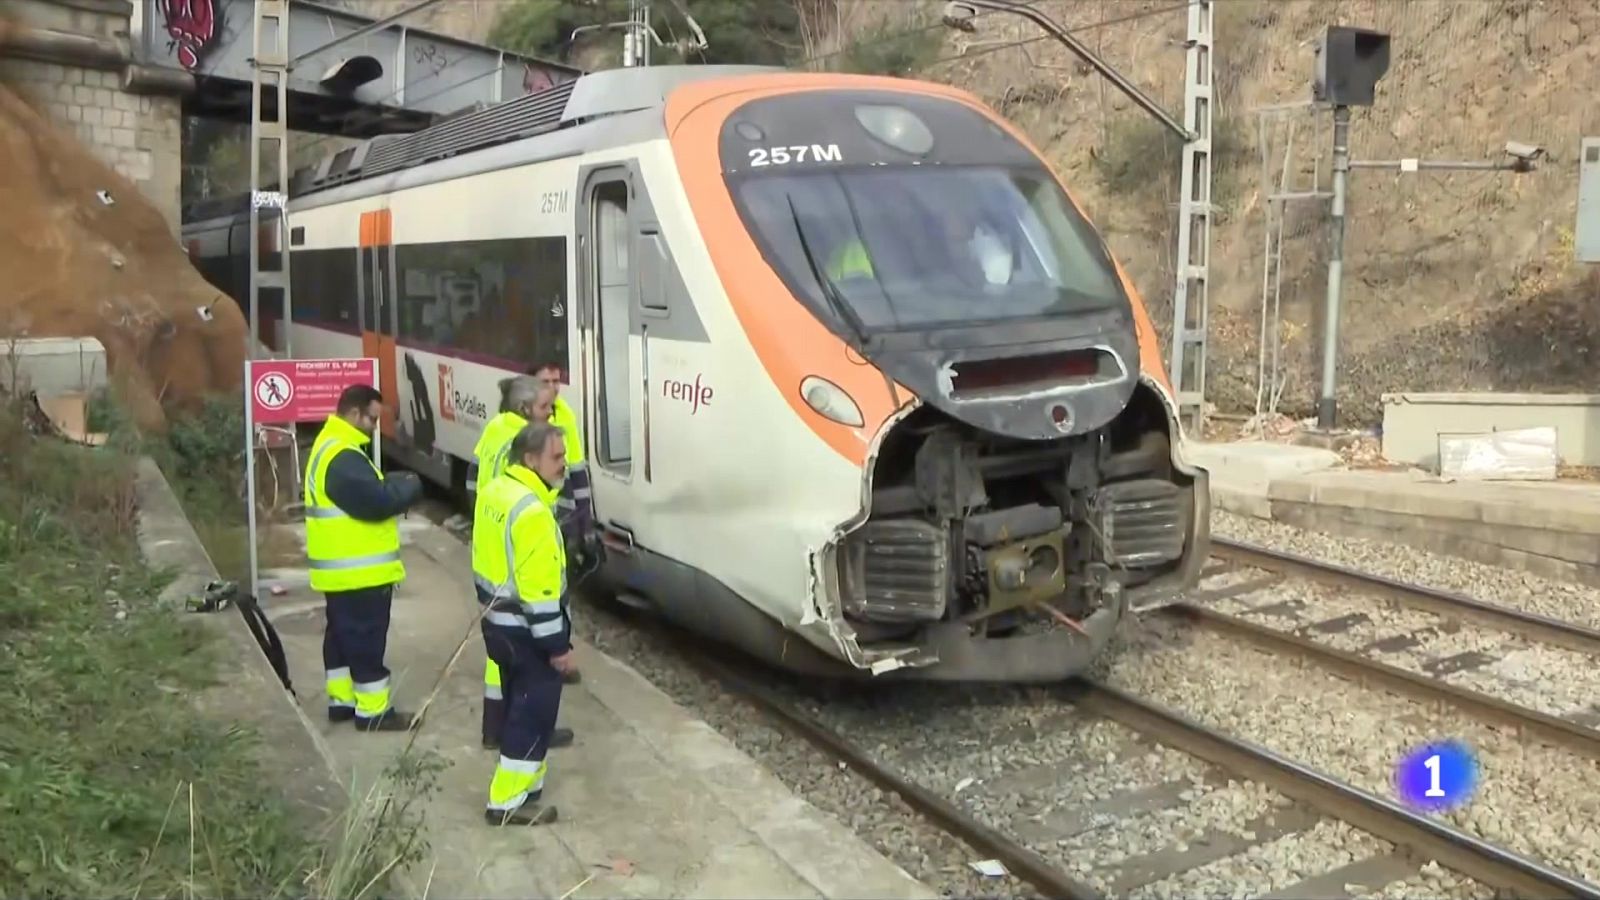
(1081, 50)
(250, 469)
(1190, 298)
(269, 70)
(1327, 406)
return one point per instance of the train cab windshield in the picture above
(913, 214)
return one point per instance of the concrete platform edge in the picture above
(787, 824)
(1493, 532)
(791, 827)
(168, 541)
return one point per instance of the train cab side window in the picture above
(652, 262)
(612, 307)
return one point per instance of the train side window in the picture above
(653, 273)
(502, 302)
(611, 282)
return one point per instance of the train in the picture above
(863, 391)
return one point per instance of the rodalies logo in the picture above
(447, 386)
(454, 403)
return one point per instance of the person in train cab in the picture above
(353, 548)
(849, 259)
(979, 251)
(519, 564)
(523, 399)
(576, 511)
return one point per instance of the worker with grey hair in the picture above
(519, 564)
(523, 399)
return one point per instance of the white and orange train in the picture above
(863, 390)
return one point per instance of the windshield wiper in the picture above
(830, 292)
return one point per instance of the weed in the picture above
(1140, 160)
(113, 783)
(887, 50)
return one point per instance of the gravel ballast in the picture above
(1523, 671)
(1563, 600)
(1530, 798)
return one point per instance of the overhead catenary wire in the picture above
(923, 29)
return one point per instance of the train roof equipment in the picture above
(591, 96)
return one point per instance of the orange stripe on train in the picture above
(787, 338)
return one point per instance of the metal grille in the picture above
(524, 117)
(897, 571)
(1141, 523)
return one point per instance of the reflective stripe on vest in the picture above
(345, 553)
(495, 566)
(565, 418)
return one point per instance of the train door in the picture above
(612, 398)
(379, 319)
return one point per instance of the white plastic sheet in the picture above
(1524, 454)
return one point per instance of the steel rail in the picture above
(1486, 707)
(1432, 839)
(1434, 600)
(1022, 862)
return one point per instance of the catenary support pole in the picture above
(250, 469)
(1327, 405)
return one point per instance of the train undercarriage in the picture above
(987, 558)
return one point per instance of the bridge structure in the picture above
(122, 74)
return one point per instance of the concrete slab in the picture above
(1412, 422)
(1550, 528)
(1242, 472)
(645, 783)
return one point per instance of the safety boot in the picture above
(390, 720)
(529, 813)
(338, 714)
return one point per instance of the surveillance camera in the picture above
(1525, 152)
(959, 16)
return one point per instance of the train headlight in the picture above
(830, 401)
(896, 126)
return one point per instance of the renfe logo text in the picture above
(696, 394)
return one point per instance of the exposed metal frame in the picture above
(270, 69)
(1191, 292)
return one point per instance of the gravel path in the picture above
(1491, 584)
(1529, 799)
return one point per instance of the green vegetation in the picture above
(887, 49)
(737, 32)
(1140, 160)
(113, 782)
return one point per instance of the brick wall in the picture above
(139, 136)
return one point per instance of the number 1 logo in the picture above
(1437, 777)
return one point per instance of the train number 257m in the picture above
(782, 156)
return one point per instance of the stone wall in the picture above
(138, 135)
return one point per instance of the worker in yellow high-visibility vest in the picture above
(353, 545)
(519, 564)
(575, 509)
(523, 399)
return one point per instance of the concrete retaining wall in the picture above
(296, 760)
(70, 60)
(1412, 423)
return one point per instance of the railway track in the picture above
(1194, 798)
(1413, 645)
(1305, 799)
